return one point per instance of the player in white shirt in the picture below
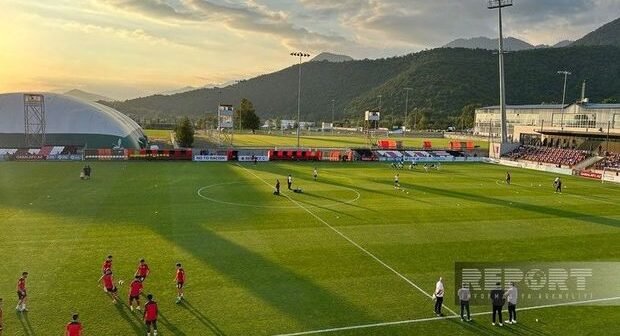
(511, 296)
(438, 296)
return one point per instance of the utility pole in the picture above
(566, 74)
(300, 55)
(499, 4)
(407, 89)
(333, 108)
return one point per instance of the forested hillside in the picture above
(443, 81)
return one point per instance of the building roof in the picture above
(526, 107)
(67, 115)
(601, 106)
(554, 106)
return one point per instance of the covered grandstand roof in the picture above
(70, 121)
(554, 106)
(526, 107)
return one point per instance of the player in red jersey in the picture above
(108, 284)
(143, 270)
(107, 264)
(180, 281)
(1, 317)
(150, 315)
(135, 289)
(74, 328)
(21, 293)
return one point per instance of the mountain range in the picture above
(443, 81)
(510, 44)
(329, 57)
(192, 88)
(605, 35)
(88, 96)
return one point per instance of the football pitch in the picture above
(351, 255)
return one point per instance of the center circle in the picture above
(213, 193)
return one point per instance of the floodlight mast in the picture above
(499, 4)
(299, 54)
(407, 89)
(566, 74)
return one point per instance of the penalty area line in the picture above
(370, 254)
(393, 323)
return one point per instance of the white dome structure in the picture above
(69, 121)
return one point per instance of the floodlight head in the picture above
(300, 54)
(493, 4)
(564, 72)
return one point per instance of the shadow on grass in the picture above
(134, 321)
(519, 205)
(475, 327)
(163, 320)
(290, 293)
(204, 320)
(25, 322)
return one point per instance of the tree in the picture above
(246, 115)
(468, 113)
(418, 119)
(422, 123)
(184, 133)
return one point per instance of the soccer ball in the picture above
(121, 282)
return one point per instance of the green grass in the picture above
(279, 140)
(258, 264)
(158, 134)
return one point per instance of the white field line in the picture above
(354, 243)
(383, 324)
(328, 205)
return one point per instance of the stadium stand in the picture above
(440, 154)
(610, 162)
(389, 154)
(418, 154)
(69, 150)
(556, 156)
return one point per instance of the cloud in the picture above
(252, 17)
(151, 9)
(417, 24)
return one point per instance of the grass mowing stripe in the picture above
(353, 242)
(384, 324)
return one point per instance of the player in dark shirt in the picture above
(277, 192)
(497, 300)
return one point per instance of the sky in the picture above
(129, 48)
